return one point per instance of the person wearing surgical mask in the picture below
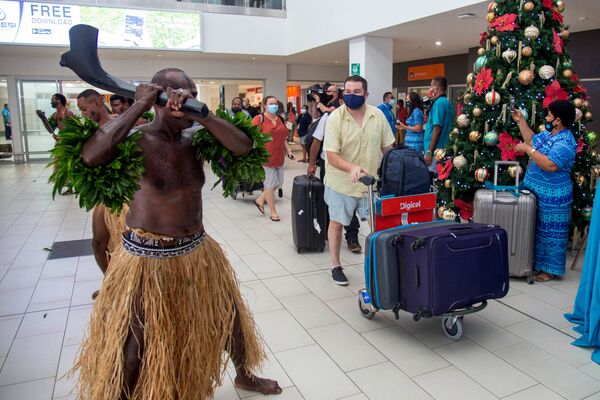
(271, 123)
(387, 107)
(439, 120)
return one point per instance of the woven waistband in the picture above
(140, 246)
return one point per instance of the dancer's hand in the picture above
(146, 93)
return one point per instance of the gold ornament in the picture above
(526, 51)
(567, 73)
(477, 111)
(594, 155)
(513, 170)
(532, 32)
(578, 115)
(509, 55)
(492, 98)
(595, 171)
(467, 98)
(454, 134)
(469, 80)
(491, 17)
(564, 34)
(529, 6)
(439, 154)
(546, 72)
(440, 211)
(588, 115)
(460, 161)
(448, 183)
(474, 136)
(525, 77)
(492, 6)
(581, 180)
(480, 51)
(541, 128)
(462, 120)
(585, 104)
(494, 40)
(449, 215)
(578, 102)
(561, 5)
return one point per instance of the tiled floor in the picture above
(319, 347)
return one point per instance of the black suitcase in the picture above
(308, 213)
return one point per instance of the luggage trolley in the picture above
(391, 212)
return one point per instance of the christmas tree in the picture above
(522, 64)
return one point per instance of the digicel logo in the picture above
(408, 206)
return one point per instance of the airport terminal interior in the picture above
(318, 344)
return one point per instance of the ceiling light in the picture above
(254, 58)
(337, 62)
(583, 19)
(212, 83)
(466, 16)
(159, 55)
(438, 43)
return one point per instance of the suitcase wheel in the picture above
(299, 250)
(366, 310)
(531, 279)
(322, 249)
(280, 193)
(235, 194)
(453, 327)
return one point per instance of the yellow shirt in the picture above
(360, 145)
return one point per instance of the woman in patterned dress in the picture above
(551, 157)
(414, 123)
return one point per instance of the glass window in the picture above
(4, 137)
(36, 95)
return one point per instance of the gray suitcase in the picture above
(515, 211)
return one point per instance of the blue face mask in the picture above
(273, 108)
(391, 102)
(353, 101)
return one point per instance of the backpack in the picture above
(403, 172)
(309, 139)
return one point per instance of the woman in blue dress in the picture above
(414, 123)
(551, 157)
(586, 312)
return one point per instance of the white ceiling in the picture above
(412, 41)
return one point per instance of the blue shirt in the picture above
(441, 114)
(416, 118)
(6, 115)
(389, 115)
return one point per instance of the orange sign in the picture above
(425, 72)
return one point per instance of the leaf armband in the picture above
(229, 168)
(113, 184)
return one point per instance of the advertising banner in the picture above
(48, 24)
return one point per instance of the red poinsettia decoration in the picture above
(579, 88)
(580, 146)
(466, 209)
(483, 80)
(507, 145)
(505, 23)
(483, 37)
(556, 15)
(444, 170)
(554, 92)
(557, 43)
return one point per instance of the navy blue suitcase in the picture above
(437, 268)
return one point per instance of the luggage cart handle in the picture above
(369, 181)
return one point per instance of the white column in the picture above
(276, 83)
(375, 59)
(15, 115)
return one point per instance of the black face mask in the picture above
(549, 125)
(236, 109)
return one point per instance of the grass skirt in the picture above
(189, 305)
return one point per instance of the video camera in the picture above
(320, 91)
(427, 103)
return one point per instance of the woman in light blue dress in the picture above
(414, 123)
(551, 157)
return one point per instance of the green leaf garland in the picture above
(113, 184)
(229, 168)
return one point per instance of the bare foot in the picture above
(256, 384)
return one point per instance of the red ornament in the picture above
(466, 209)
(557, 43)
(483, 80)
(507, 145)
(444, 170)
(554, 92)
(579, 88)
(505, 23)
(580, 146)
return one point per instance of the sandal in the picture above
(261, 208)
(544, 277)
(275, 218)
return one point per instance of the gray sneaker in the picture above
(339, 278)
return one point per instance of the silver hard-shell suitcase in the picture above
(515, 211)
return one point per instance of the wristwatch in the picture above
(428, 152)
(532, 151)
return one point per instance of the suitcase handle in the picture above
(369, 181)
(514, 189)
